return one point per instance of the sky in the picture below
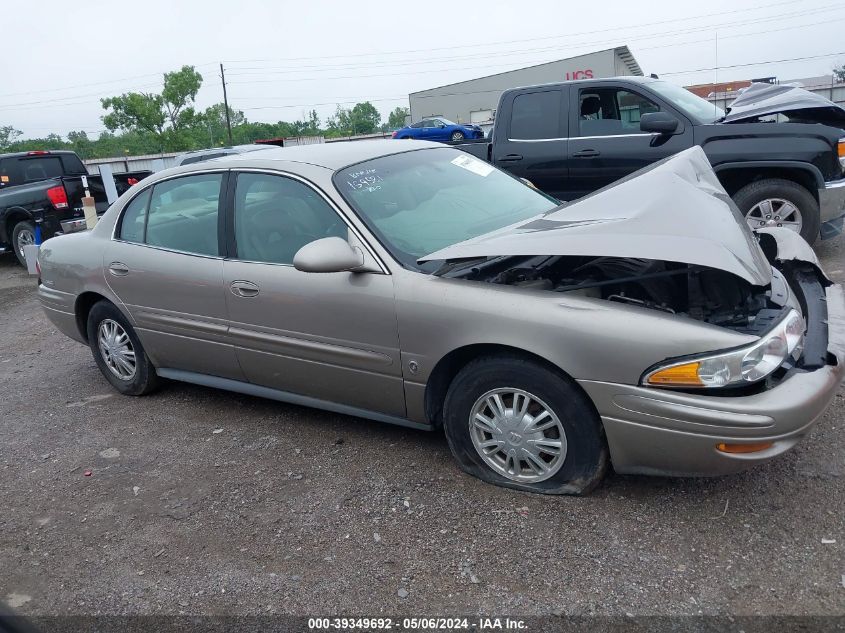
(284, 58)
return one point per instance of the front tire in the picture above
(457, 136)
(118, 351)
(780, 202)
(516, 423)
(22, 235)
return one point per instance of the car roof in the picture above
(332, 156)
(224, 148)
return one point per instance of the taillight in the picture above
(841, 152)
(131, 181)
(37, 152)
(57, 197)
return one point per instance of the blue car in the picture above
(439, 129)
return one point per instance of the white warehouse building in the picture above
(475, 100)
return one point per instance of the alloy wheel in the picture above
(116, 349)
(25, 238)
(517, 435)
(775, 212)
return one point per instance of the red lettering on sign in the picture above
(579, 74)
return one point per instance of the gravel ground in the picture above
(204, 502)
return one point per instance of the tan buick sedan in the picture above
(644, 326)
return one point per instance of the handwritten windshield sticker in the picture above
(364, 180)
(473, 164)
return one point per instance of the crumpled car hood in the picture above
(766, 99)
(674, 210)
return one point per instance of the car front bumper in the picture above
(832, 208)
(663, 432)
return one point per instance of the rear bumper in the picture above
(60, 309)
(662, 432)
(832, 208)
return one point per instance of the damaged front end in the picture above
(669, 239)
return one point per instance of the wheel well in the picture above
(448, 367)
(735, 179)
(12, 218)
(84, 303)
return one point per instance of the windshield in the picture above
(421, 201)
(446, 121)
(690, 103)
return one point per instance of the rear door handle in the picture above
(510, 158)
(118, 269)
(244, 288)
(587, 153)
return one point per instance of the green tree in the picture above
(396, 119)
(167, 116)
(81, 143)
(364, 118)
(839, 73)
(340, 123)
(8, 134)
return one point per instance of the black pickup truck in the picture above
(779, 151)
(47, 184)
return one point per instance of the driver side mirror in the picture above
(658, 122)
(328, 255)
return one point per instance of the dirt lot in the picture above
(203, 502)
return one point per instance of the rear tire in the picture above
(110, 337)
(778, 191)
(569, 419)
(23, 233)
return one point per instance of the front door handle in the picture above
(510, 158)
(118, 269)
(244, 288)
(587, 153)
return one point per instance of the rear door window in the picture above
(183, 214)
(536, 116)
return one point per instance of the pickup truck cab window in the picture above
(611, 111)
(536, 116)
(275, 216)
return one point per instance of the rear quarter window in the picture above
(536, 115)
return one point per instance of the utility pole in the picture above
(226, 105)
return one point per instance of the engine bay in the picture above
(705, 294)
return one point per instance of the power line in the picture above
(69, 99)
(96, 83)
(533, 39)
(773, 61)
(592, 43)
(38, 104)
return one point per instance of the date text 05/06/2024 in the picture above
(417, 624)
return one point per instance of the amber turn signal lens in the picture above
(841, 147)
(744, 448)
(680, 375)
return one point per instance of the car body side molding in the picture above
(283, 396)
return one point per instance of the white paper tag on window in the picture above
(473, 164)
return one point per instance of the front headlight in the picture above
(741, 366)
